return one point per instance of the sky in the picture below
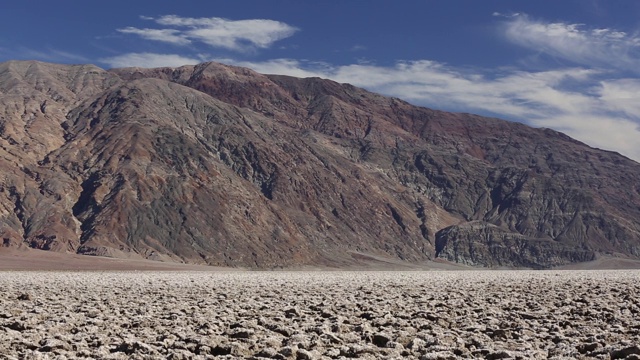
(571, 65)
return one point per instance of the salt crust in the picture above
(320, 315)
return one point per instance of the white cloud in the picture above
(605, 132)
(46, 54)
(601, 47)
(165, 35)
(515, 93)
(149, 60)
(622, 95)
(237, 35)
(286, 67)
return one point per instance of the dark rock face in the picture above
(220, 165)
(481, 243)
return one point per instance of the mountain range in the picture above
(220, 165)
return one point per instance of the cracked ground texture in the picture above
(320, 315)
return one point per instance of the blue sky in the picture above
(570, 65)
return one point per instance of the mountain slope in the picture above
(221, 165)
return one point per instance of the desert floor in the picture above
(39, 260)
(309, 315)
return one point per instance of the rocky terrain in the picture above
(320, 315)
(220, 165)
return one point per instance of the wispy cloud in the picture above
(149, 60)
(516, 94)
(172, 36)
(577, 43)
(622, 95)
(236, 35)
(45, 54)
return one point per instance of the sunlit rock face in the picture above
(221, 165)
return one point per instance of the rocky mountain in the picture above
(221, 165)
